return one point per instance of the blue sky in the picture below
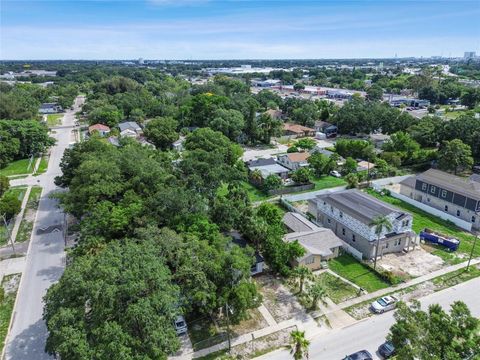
(203, 29)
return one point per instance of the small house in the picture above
(258, 262)
(130, 129)
(297, 131)
(101, 129)
(326, 128)
(294, 161)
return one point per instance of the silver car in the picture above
(180, 325)
(383, 304)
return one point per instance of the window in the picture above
(424, 187)
(444, 193)
(397, 242)
(428, 199)
(353, 237)
(343, 231)
(458, 212)
(473, 218)
(324, 203)
(387, 245)
(341, 214)
(432, 189)
(329, 221)
(331, 209)
(310, 260)
(446, 207)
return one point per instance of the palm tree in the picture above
(316, 292)
(381, 223)
(301, 273)
(298, 345)
(256, 176)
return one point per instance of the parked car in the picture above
(335, 173)
(180, 325)
(359, 355)
(386, 350)
(383, 304)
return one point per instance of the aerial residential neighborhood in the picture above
(239, 180)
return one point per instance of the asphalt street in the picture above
(45, 258)
(369, 334)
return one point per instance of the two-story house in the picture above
(294, 161)
(350, 214)
(452, 194)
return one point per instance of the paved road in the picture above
(369, 334)
(45, 258)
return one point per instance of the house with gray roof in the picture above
(267, 166)
(457, 196)
(350, 213)
(130, 129)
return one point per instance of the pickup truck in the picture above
(383, 304)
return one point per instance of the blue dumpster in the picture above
(440, 239)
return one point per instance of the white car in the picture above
(383, 304)
(335, 173)
(180, 325)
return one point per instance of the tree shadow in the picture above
(29, 344)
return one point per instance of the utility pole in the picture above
(376, 253)
(227, 309)
(474, 243)
(8, 233)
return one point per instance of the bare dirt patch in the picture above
(301, 206)
(282, 304)
(263, 345)
(414, 263)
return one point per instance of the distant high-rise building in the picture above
(140, 61)
(469, 55)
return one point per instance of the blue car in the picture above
(359, 355)
(387, 350)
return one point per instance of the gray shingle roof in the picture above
(451, 182)
(129, 125)
(317, 242)
(359, 205)
(297, 223)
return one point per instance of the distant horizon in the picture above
(236, 30)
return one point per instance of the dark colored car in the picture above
(359, 355)
(387, 349)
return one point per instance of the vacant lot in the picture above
(351, 269)
(337, 290)
(415, 263)
(19, 192)
(54, 119)
(422, 220)
(26, 226)
(326, 182)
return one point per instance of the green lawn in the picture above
(26, 226)
(337, 290)
(254, 193)
(18, 167)
(54, 119)
(42, 167)
(351, 269)
(203, 333)
(422, 220)
(6, 307)
(326, 182)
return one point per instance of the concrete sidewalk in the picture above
(12, 266)
(19, 217)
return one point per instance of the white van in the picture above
(180, 325)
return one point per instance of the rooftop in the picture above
(99, 127)
(298, 156)
(261, 162)
(464, 186)
(359, 205)
(296, 128)
(129, 125)
(298, 223)
(316, 242)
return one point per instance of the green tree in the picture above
(272, 182)
(298, 86)
(321, 164)
(127, 296)
(381, 223)
(306, 143)
(10, 205)
(375, 93)
(267, 127)
(301, 274)
(352, 180)
(470, 97)
(4, 185)
(401, 142)
(316, 292)
(455, 156)
(162, 132)
(435, 334)
(109, 115)
(256, 176)
(302, 175)
(298, 345)
(9, 148)
(350, 166)
(229, 122)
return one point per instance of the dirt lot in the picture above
(263, 345)
(278, 300)
(414, 263)
(301, 206)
